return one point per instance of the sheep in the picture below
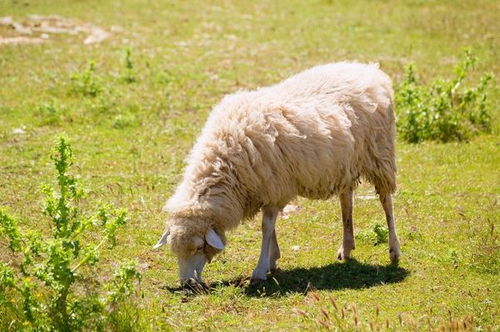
(313, 135)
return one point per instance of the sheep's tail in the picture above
(163, 240)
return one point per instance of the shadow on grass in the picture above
(349, 275)
(336, 276)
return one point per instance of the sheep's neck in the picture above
(225, 203)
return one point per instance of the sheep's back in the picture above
(316, 133)
(312, 135)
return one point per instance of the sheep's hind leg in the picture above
(346, 203)
(394, 247)
(268, 233)
(274, 252)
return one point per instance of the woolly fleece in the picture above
(314, 135)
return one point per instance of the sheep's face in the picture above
(191, 259)
(193, 250)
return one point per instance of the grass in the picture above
(131, 127)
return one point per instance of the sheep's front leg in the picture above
(268, 242)
(344, 251)
(394, 247)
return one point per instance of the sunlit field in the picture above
(130, 84)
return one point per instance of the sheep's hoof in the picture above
(260, 274)
(195, 286)
(255, 281)
(394, 254)
(273, 266)
(275, 269)
(343, 254)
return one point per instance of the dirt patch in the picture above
(20, 40)
(38, 28)
(289, 210)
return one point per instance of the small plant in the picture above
(377, 235)
(87, 83)
(49, 282)
(129, 76)
(51, 113)
(446, 110)
(381, 234)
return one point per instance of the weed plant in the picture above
(87, 83)
(48, 282)
(129, 75)
(446, 110)
(51, 113)
(377, 235)
(328, 315)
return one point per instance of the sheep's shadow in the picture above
(337, 276)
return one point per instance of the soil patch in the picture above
(37, 29)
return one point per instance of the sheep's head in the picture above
(194, 246)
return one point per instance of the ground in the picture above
(131, 127)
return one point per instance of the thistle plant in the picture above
(48, 280)
(445, 110)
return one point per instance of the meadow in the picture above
(132, 104)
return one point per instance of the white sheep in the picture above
(314, 135)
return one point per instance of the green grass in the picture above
(130, 137)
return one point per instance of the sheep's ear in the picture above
(163, 240)
(214, 240)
